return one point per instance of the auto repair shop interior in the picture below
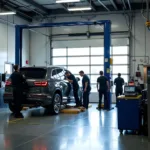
(46, 38)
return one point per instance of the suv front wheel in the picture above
(55, 107)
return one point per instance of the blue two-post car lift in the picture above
(107, 44)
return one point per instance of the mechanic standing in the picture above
(86, 89)
(18, 81)
(119, 82)
(102, 88)
(71, 78)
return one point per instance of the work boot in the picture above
(76, 106)
(99, 107)
(19, 115)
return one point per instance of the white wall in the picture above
(40, 47)
(140, 43)
(7, 41)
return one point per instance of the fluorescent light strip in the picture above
(66, 1)
(79, 8)
(7, 13)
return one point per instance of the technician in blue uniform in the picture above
(119, 82)
(86, 89)
(102, 88)
(71, 78)
(17, 80)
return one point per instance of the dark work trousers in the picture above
(76, 97)
(86, 99)
(119, 91)
(18, 97)
(101, 93)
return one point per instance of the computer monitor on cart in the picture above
(130, 91)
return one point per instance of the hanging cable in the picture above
(147, 8)
(142, 10)
(134, 47)
(145, 43)
(7, 38)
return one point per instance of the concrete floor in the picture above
(90, 130)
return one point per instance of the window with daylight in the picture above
(120, 50)
(78, 61)
(91, 61)
(97, 50)
(75, 69)
(120, 60)
(59, 61)
(59, 52)
(78, 51)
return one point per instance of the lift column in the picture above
(107, 44)
(18, 45)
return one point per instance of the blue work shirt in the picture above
(84, 80)
(75, 82)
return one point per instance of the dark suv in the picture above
(46, 87)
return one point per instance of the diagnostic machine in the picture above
(130, 91)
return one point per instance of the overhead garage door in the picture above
(88, 55)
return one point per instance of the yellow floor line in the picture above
(14, 121)
(25, 108)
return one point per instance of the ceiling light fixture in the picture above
(66, 1)
(7, 13)
(79, 8)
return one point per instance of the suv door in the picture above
(53, 79)
(63, 82)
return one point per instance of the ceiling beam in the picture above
(103, 5)
(25, 6)
(19, 13)
(40, 7)
(113, 3)
(64, 6)
(129, 3)
(92, 4)
(123, 2)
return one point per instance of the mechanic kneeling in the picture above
(71, 78)
(18, 81)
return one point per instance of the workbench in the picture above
(129, 113)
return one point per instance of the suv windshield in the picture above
(33, 73)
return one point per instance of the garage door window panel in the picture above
(60, 61)
(94, 87)
(78, 60)
(76, 69)
(120, 60)
(96, 69)
(99, 60)
(94, 78)
(120, 50)
(97, 50)
(123, 69)
(59, 52)
(78, 51)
